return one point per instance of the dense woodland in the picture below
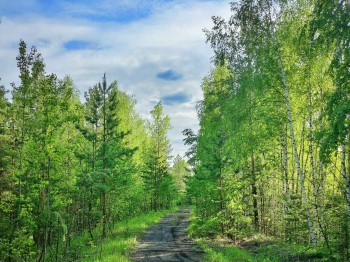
(69, 168)
(272, 155)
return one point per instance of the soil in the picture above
(168, 241)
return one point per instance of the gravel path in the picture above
(168, 241)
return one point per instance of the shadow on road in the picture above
(168, 241)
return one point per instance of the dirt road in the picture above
(168, 241)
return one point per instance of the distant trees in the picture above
(181, 172)
(68, 168)
(158, 177)
(271, 151)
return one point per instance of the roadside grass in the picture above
(260, 249)
(257, 248)
(119, 241)
(216, 252)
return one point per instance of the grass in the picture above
(119, 242)
(260, 249)
(223, 254)
(217, 252)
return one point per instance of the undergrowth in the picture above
(119, 242)
(257, 248)
(260, 250)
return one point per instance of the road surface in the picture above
(168, 241)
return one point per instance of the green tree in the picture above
(7, 194)
(330, 34)
(181, 172)
(31, 68)
(248, 21)
(283, 121)
(158, 179)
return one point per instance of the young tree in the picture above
(158, 180)
(181, 172)
(7, 195)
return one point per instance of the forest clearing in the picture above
(263, 169)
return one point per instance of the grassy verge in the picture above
(222, 253)
(260, 249)
(119, 242)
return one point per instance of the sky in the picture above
(156, 50)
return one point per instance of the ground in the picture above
(168, 241)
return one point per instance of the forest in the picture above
(69, 168)
(271, 158)
(272, 155)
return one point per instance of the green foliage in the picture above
(180, 172)
(261, 249)
(226, 254)
(158, 180)
(120, 241)
(271, 157)
(272, 152)
(70, 170)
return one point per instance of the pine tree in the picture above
(158, 181)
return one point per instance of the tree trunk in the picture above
(286, 180)
(346, 177)
(285, 162)
(294, 144)
(221, 199)
(254, 194)
(104, 198)
(21, 156)
(296, 155)
(313, 171)
(312, 162)
(347, 197)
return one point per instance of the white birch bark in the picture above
(291, 130)
(296, 154)
(346, 177)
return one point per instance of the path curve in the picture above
(168, 241)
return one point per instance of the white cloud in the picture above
(132, 53)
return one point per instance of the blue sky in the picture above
(169, 75)
(75, 45)
(101, 11)
(155, 49)
(174, 99)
